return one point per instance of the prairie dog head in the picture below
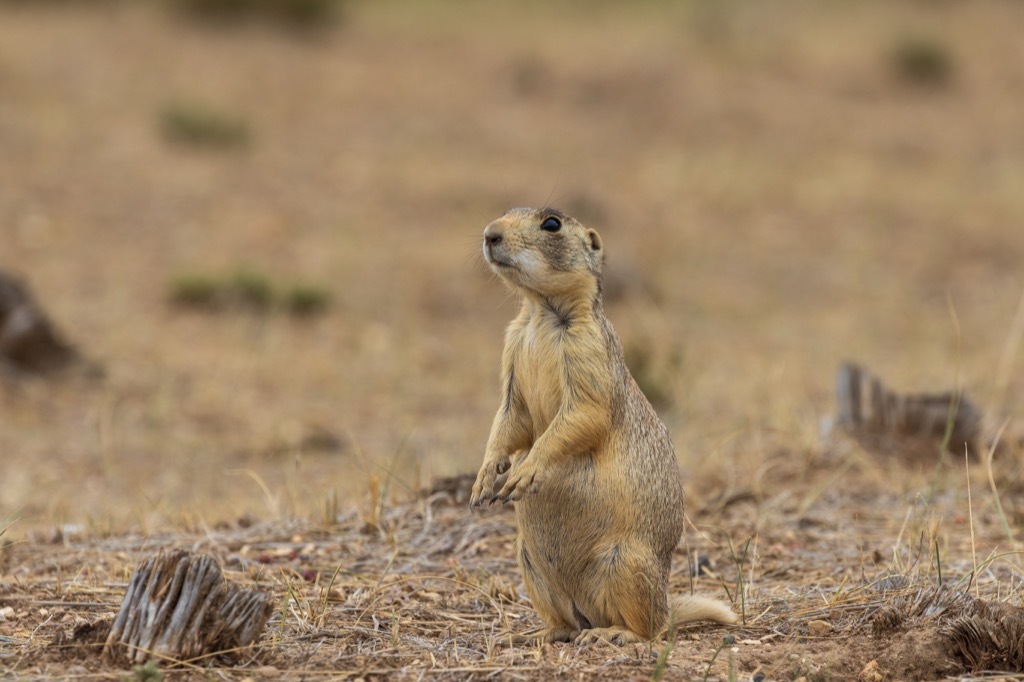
(544, 251)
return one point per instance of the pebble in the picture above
(819, 628)
(871, 673)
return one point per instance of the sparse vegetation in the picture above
(408, 597)
(307, 299)
(147, 672)
(922, 61)
(251, 290)
(200, 126)
(654, 375)
(196, 291)
(247, 289)
(727, 641)
(303, 14)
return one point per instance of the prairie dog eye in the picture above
(551, 224)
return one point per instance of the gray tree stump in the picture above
(883, 419)
(28, 340)
(178, 607)
(982, 635)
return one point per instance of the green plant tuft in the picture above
(922, 61)
(728, 640)
(251, 289)
(303, 300)
(661, 663)
(653, 377)
(147, 672)
(247, 289)
(300, 14)
(198, 126)
(196, 291)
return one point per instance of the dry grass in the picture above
(774, 199)
(426, 589)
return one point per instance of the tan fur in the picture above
(579, 449)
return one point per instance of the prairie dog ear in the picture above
(595, 253)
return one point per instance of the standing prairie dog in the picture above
(579, 449)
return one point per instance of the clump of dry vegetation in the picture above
(654, 375)
(406, 588)
(922, 60)
(249, 290)
(200, 126)
(304, 14)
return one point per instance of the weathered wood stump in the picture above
(982, 635)
(28, 340)
(178, 607)
(882, 419)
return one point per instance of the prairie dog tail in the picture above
(693, 607)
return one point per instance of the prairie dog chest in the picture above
(540, 367)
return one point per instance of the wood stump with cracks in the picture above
(912, 424)
(179, 607)
(28, 340)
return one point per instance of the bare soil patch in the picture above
(427, 589)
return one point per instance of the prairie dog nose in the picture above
(493, 235)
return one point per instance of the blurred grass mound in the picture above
(921, 60)
(306, 299)
(653, 374)
(199, 126)
(302, 14)
(248, 290)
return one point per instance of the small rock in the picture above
(819, 628)
(871, 673)
(702, 566)
(6, 612)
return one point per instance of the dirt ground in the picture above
(777, 192)
(427, 591)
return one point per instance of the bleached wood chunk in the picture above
(179, 607)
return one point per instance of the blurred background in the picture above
(261, 218)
